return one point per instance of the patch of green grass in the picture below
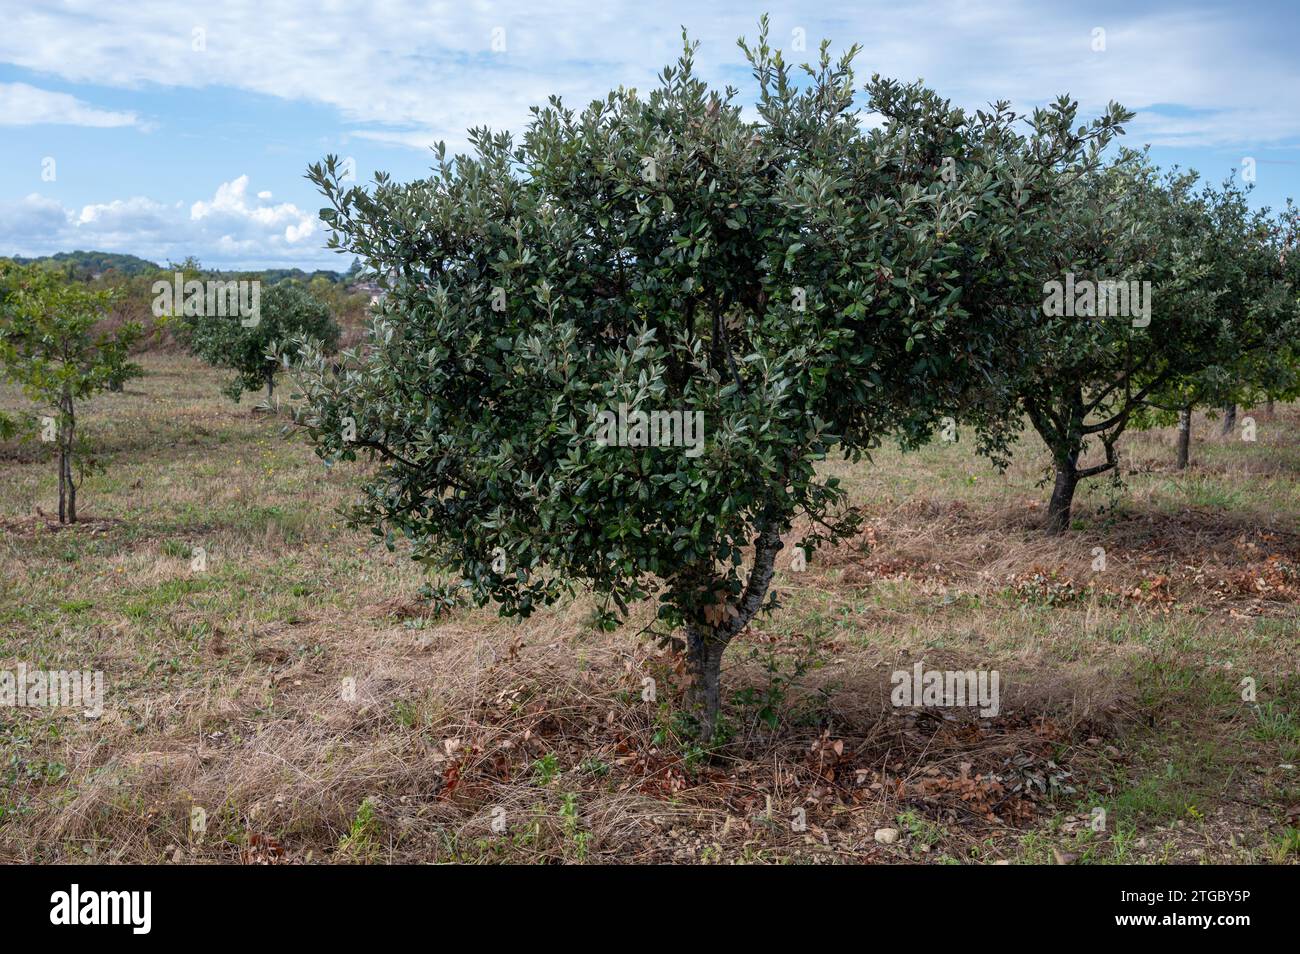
(920, 830)
(1285, 846)
(1278, 724)
(166, 594)
(1205, 492)
(176, 548)
(361, 843)
(546, 769)
(577, 840)
(406, 713)
(1166, 794)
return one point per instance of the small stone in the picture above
(887, 836)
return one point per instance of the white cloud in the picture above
(415, 139)
(410, 73)
(24, 105)
(229, 229)
(230, 208)
(31, 215)
(137, 212)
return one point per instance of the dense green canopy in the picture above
(800, 282)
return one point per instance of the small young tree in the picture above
(50, 347)
(256, 348)
(614, 353)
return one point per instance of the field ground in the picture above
(1120, 687)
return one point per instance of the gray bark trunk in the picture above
(63, 484)
(67, 441)
(72, 445)
(1062, 502)
(72, 494)
(705, 644)
(1184, 437)
(1229, 419)
(704, 663)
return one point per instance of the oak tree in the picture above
(802, 283)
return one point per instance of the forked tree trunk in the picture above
(706, 643)
(1184, 437)
(1059, 507)
(1229, 419)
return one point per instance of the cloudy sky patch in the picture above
(172, 126)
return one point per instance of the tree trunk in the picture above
(71, 416)
(1229, 419)
(67, 437)
(706, 643)
(1268, 408)
(1058, 509)
(270, 386)
(63, 483)
(72, 494)
(1184, 437)
(704, 663)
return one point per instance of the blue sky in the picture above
(169, 129)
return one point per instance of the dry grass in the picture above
(229, 688)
